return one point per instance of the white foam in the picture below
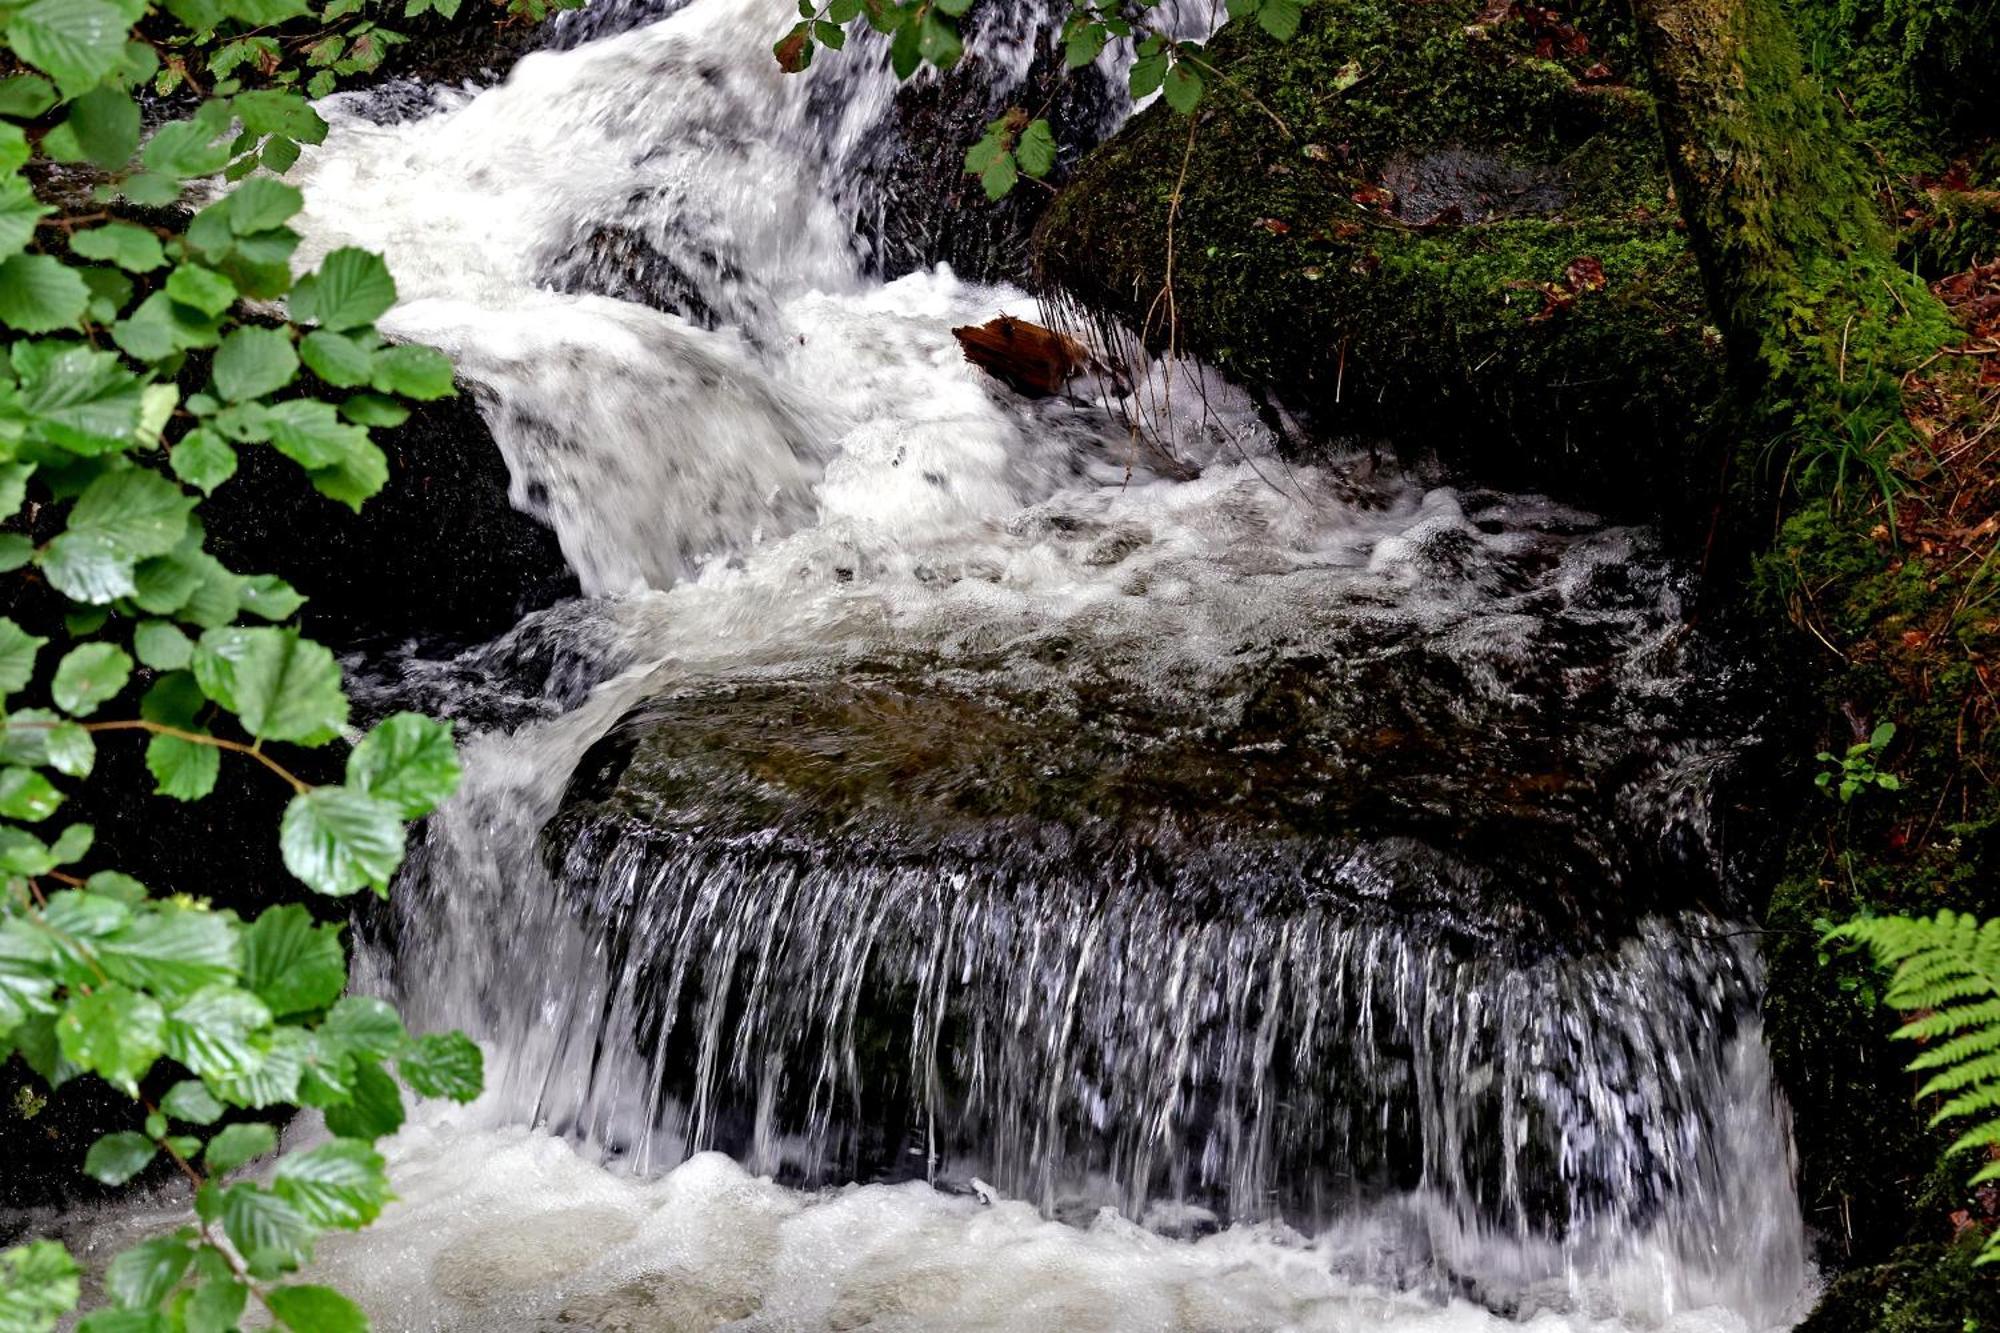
(508, 1230)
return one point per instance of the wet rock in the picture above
(440, 555)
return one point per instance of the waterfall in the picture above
(1079, 881)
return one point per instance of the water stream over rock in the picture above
(1198, 891)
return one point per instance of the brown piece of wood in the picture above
(1034, 360)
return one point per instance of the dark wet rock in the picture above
(915, 206)
(441, 553)
(1463, 185)
(1308, 780)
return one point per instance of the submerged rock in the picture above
(1446, 223)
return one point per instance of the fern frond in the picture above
(1958, 1018)
(1968, 1103)
(1957, 1050)
(1948, 965)
(1979, 1136)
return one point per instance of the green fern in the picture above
(1947, 969)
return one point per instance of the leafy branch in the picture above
(1020, 143)
(139, 359)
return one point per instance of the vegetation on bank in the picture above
(146, 349)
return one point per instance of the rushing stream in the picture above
(968, 865)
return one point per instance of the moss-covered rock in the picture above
(1425, 220)
(1923, 1289)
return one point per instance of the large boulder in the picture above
(1443, 222)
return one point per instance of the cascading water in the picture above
(1206, 893)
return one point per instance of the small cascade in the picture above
(944, 801)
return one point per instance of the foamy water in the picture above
(508, 1230)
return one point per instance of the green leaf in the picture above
(261, 204)
(352, 289)
(18, 649)
(340, 1184)
(317, 1310)
(203, 460)
(130, 247)
(190, 1100)
(89, 675)
(219, 1032)
(272, 112)
(275, 1082)
(375, 1109)
(25, 96)
(184, 770)
(337, 840)
(237, 1144)
(1036, 151)
(416, 372)
(999, 178)
(1084, 44)
(311, 434)
(160, 327)
(157, 403)
(372, 409)
(73, 844)
(253, 362)
(271, 597)
(38, 1285)
(116, 1158)
(258, 13)
(337, 359)
(183, 149)
(71, 750)
(1280, 18)
(444, 1064)
(161, 645)
(141, 1277)
(74, 42)
(171, 951)
(409, 761)
(365, 1026)
(115, 1032)
(26, 795)
(1182, 87)
(216, 1306)
(139, 513)
(14, 487)
(271, 1235)
(103, 126)
(938, 41)
(25, 979)
(201, 289)
(23, 854)
(120, 518)
(283, 687)
(1148, 72)
(19, 212)
(292, 964)
(38, 294)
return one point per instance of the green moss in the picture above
(1922, 1289)
(1377, 311)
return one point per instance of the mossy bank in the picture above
(1439, 222)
